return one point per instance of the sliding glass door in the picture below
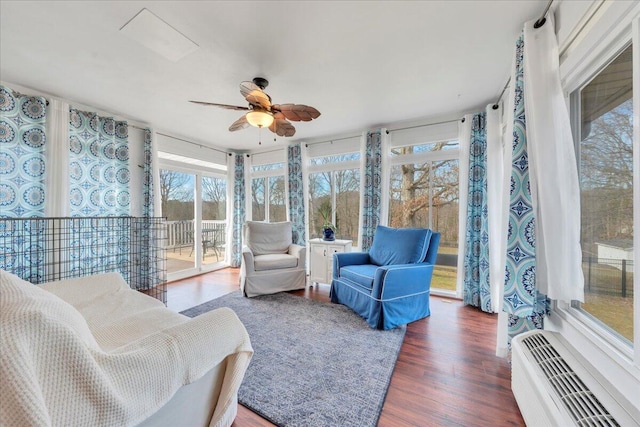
(195, 205)
(177, 191)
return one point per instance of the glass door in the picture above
(177, 190)
(214, 223)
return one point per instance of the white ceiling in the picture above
(361, 64)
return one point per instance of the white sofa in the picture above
(271, 263)
(91, 351)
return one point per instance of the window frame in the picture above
(584, 329)
(423, 157)
(332, 167)
(602, 329)
(270, 158)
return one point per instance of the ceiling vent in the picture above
(155, 34)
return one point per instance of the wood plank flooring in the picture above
(447, 373)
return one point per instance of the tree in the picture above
(417, 187)
(606, 176)
(214, 198)
(257, 199)
(174, 186)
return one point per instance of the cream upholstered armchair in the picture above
(270, 261)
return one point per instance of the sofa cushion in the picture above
(267, 237)
(361, 274)
(399, 245)
(274, 262)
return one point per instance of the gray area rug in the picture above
(315, 364)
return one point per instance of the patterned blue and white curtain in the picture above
(147, 179)
(477, 288)
(22, 155)
(296, 193)
(99, 186)
(99, 165)
(22, 180)
(239, 214)
(371, 208)
(524, 304)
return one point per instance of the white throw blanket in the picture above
(62, 366)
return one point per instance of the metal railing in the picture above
(608, 276)
(181, 233)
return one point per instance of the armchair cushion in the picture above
(274, 261)
(268, 237)
(399, 245)
(361, 274)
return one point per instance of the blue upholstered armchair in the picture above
(390, 285)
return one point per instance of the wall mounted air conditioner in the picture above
(554, 387)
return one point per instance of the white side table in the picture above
(321, 258)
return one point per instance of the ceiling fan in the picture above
(262, 113)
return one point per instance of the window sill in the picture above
(590, 340)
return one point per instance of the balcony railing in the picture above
(181, 234)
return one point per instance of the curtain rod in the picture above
(331, 140)
(265, 152)
(422, 126)
(188, 142)
(539, 23)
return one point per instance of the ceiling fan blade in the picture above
(226, 106)
(258, 97)
(239, 124)
(247, 87)
(297, 112)
(282, 127)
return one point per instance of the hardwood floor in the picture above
(447, 373)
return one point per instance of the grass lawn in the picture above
(444, 278)
(449, 250)
(613, 310)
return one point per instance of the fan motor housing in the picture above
(261, 82)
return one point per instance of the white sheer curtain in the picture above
(552, 165)
(464, 138)
(57, 154)
(497, 196)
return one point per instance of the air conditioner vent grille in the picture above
(582, 404)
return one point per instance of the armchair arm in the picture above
(247, 260)
(342, 259)
(299, 252)
(400, 280)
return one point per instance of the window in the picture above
(268, 193)
(334, 195)
(603, 130)
(424, 192)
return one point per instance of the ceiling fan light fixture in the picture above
(259, 118)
